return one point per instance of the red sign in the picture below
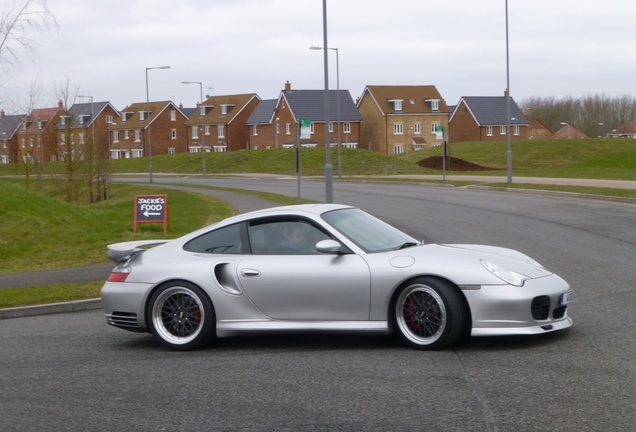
(151, 209)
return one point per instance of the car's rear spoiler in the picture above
(120, 252)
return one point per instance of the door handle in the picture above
(250, 273)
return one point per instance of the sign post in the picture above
(151, 209)
(304, 132)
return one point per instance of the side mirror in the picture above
(328, 247)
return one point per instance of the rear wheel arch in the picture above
(180, 297)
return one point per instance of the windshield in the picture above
(368, 232)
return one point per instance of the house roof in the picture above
(415, 99)
(310, 104)
(263, 113)
(86, 111)
(569, 131)
(134, 122)
(214, 113)
(9, 125)
(628, 128)
(492, 110)
(43, 114)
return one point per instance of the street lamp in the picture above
(201, 115)
(568, 125)
(148, 114)
(328, 167)
(509, 153)
(276, 131)
(337, 102)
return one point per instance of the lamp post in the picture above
(568, 125)
(276, 131)
(509, 152)
(201, 115)
(337, 102)
(328, 167)
(148, 114)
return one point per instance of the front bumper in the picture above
(535, 308)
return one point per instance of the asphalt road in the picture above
(72, 372)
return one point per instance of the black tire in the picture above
(429, 314)
(181, 316)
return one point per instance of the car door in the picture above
(305, 285)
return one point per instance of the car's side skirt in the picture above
(230, 328)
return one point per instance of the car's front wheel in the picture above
(181, 316)
(429, 313)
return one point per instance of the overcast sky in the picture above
(558, 48)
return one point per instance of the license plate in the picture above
(565, 298)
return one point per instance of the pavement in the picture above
(240, 203)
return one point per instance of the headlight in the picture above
(513, 278)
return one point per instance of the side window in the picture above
(285, 237)
(226, 240)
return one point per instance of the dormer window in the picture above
(125, 116)
(434, 103)
(397, 104)
(63, 121)
(226, 109)
(142, 115)
(39, 124)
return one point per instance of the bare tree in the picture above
(18, 22)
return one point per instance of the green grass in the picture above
(16, 297)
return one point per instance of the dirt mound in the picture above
(454, 164)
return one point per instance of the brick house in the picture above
(484, 118)
(9, 128)
(627, 130)
(85, 125)
(162, 123)
(568, 131)
(274, 123)
(222, 119)
(37, 139)
(536, 128)
(398, 119)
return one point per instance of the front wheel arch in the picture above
(453, 310)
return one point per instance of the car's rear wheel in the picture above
(429, 313)
(181, 316)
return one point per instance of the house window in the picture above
(516, 130)
(195, 132)
(81, 138)
(137, 135)
(417, 128)
(221, 133)
(398, 149)
(288, 128)
(115, 136)
(142, 115)
(346, 127)
(502, 130)
(63, 121)
(126, 134)
(80, 119)
(39, 124)
(223, 109)
(434, 127)
(488, 130)
(207, 129)
(109, 119)
(312, 128)
(330, 126)
(398, 129)
(171, 151)
(397, 104)
(255, 130)
(220, 149)
(434, 105)
(137, 153)
(173, 115)
(62, 139)
(173, 133)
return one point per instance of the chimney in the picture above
(60, 104)
(505, 92)
(1, 113)
(287, 86)
(180, 106)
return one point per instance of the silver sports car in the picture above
(326, 267)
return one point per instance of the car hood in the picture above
(508, 258)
